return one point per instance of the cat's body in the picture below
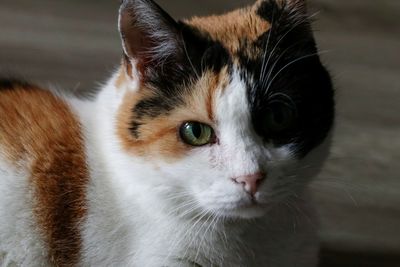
(113, 182)
(113, 230)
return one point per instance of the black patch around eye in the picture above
(308, 86)
(289, 67)
(151, 108)
(295, 73)
(155, 106)
(279, 118)
(135, 129)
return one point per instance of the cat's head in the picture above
(228, 114)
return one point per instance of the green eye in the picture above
(196, 133)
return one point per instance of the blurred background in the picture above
(74, 44)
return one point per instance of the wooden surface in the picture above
(75, 45)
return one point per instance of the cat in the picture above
(197, 152)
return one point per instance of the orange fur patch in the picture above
(159, 137)
(234, 28)
(39, 132)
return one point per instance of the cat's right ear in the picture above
(150, 37)
(297, 8)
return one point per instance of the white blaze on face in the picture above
(239, 152)
(240, 146)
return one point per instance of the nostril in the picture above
(239, 181)
(251, 183)
(257, 176)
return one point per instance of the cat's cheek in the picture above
(314, 160)
(189, 173)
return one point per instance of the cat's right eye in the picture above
(278, 120)
(196, 133)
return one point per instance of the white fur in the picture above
(176, 213)
(20, 243)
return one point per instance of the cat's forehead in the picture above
(251, 32)
(234, 30)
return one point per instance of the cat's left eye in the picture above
(278, 118)
(196, 133)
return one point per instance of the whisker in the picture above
(194, 236)
(205, 234)
(283, 53)
(291, 63)
(190, 61)
(180, 237)
(284, 36)
(295, 219)
(264, 64)
(186, 204)
(176, 196)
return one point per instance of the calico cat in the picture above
(197, 152)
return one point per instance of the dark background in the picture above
(74, 44)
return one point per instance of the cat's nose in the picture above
(251, 182)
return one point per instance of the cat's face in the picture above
(230, 113)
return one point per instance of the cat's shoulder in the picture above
(42, 146)
(34, 120)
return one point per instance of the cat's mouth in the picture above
(234, 204)
(244, 209)
(250, 211)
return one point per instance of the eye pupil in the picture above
(197, 129)
(279, 116)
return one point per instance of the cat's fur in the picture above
(109, 182)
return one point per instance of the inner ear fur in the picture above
(150, 37)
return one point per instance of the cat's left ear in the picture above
(151, 38)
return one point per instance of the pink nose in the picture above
(251, 183)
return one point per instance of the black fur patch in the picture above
(267, 9)
(153, 107)
(200, 54)
(294, 75)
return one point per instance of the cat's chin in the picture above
(244, 212)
